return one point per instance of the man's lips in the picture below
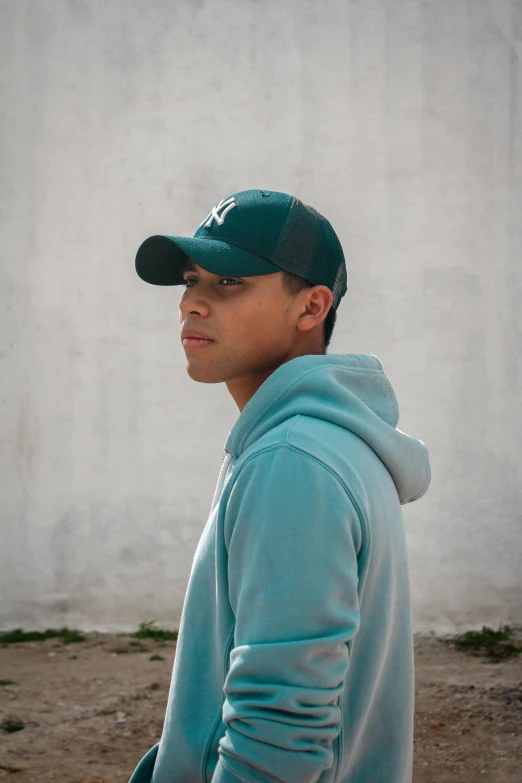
(194, 333)
(195, 342)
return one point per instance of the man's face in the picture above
(255, 327)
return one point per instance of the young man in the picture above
(294, 660)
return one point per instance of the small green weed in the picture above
(147, 630)
(134, 647)
(138, 647)
(8, 682)
(17, 635)
(10, 725)
(156, 658)
(495, 645)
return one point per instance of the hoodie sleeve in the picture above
(293, 536)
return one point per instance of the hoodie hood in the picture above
(350, 390)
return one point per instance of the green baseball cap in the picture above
(253, 232)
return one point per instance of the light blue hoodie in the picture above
(294, 660)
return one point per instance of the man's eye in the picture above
(188, 279)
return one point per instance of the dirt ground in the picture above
(90, 710)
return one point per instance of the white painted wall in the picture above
(402, 123)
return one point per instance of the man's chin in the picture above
(201, 374)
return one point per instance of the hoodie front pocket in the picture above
(338, 743)
(211, 756)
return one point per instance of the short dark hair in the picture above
(292, 285)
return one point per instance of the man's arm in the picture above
(292, 536)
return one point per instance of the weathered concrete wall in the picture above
(401, 122)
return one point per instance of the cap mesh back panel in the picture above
(309, 247)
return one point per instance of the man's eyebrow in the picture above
(189, 265)
(193, 268)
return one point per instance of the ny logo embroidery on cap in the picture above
(226, 205)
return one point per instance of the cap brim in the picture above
(161, 259)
